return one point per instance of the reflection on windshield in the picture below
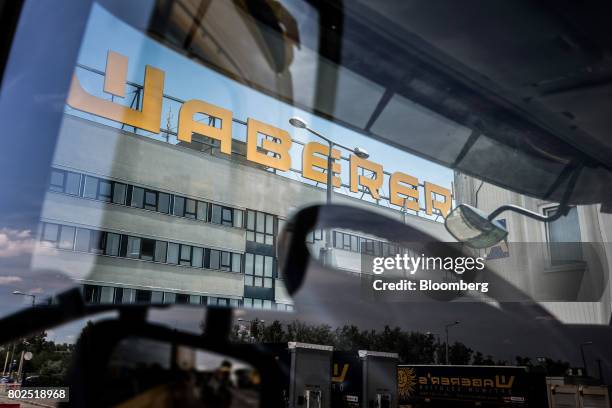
(168, 193)
(143, 371)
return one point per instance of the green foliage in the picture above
(49, 361)
(412, 347)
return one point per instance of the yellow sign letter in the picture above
(430, 203)
(114, 82)
(279, 148)
(399, 184)
(372, 184)
(187, 126)
(310, 162)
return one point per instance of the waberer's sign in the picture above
(273, 151)
(462, 386)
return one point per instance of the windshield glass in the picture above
(161, 188)
(180, 139)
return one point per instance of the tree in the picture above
(478, 358)
(523, 361)
(274, 333)
(459, 353)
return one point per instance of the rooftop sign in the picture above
(267, 145)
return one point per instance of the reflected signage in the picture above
(267, 145)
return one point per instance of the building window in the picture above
(238, 215)
(182, 299)
(173, 253)
(143, 296)
(104, 191)
(215, 214)
(260, 227)
(258, 270)
(147, 249)
(169, 297)
(185, 255)
(227, 216)
(57, 181)
(370, 247)
(91, 294)
(133, 247)
(91, 187)
(202, 211)
(137, 197)
(179, 206)
(160, 251)
(49, 234)
(314, 235)
(563, 237)
(197, 257)
(157, 297)
(226, 261)
(163, 203)
(236, 263)
(65, 182)
(190, 208)
(82, 240)
(97, 242)
(215, 259)
(119, 190)
(150, 200)
(66, 239)
(112, 244)
(73, 183)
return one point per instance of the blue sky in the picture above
(186, 79)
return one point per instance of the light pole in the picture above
(456, 322)
(584, 365)
(18, 292)
(431, 334)
(358, 151)
(252, 323)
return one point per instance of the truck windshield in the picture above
(158, 158)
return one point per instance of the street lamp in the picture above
(584, 365)
(358, 151)
(437, 335)
(18, 292)
(456, 322)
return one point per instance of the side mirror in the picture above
(472, 226)
(126, 362)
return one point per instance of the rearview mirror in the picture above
(471, 226)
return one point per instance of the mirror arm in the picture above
(562, 210)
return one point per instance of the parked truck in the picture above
(470, 386)
(364, 379)
(308, 378)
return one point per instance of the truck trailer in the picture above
(308, 374)
(470, 386)
(364, 379)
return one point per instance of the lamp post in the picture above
(584, 365)
(431, 334)
(252, 323)
(446, 327)
(18, 292)
(358, 151)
